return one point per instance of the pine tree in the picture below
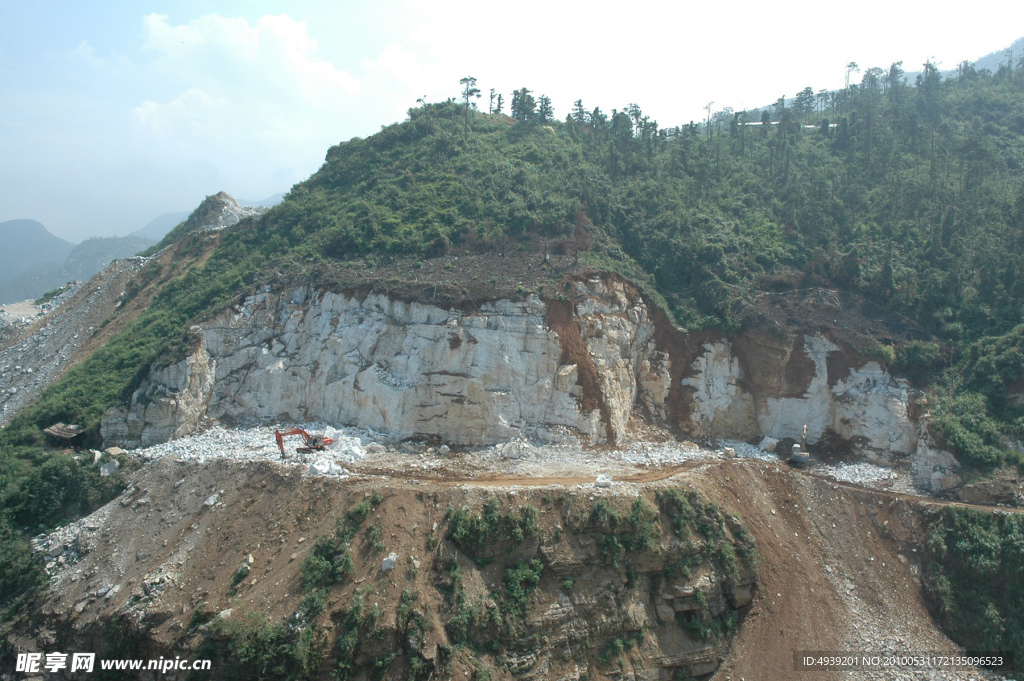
(523, 105)
(579, 114)
(469, 91)
(545, 112)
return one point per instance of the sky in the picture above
(114, 113)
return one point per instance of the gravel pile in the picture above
(660, 453)
(899, 639)
(866, 474)
(746, 451)
(259, 444)
(59, 299)
(517, 457)
(66, 545)
(8, 321)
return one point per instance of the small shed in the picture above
(64, 432)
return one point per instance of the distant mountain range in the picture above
(991, 61)
(268, 202)
(158, 227)
(34, 261)
(28, 248)
(994, 60)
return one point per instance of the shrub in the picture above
(974, 560)
(637, 531)
(330, 560)
(256, 649)
(520, 581)
(682, 510)
(964, 425)
(473, 533)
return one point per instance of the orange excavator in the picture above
(311, 443)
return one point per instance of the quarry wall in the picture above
(584, 364)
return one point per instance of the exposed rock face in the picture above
(933, 469)
(410, 369)
(169, 405)
(601, 610)
(506, 370)
(217, 212)
(763, 387)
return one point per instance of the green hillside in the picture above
(914, 198)
(908, 195)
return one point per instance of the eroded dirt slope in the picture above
(837, 567)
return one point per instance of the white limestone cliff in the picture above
(406, 368)
(511, 369)
(170, 404)
(867, 404)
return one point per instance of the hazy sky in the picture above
(114, 112)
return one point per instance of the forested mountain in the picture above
(909, 195)
(92, 255)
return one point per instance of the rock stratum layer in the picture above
(534, 368)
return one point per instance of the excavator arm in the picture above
(311, 442)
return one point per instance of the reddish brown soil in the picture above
(561, 320)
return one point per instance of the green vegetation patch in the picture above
(356, 627)
(330, 560)
(968, 430)
(637, 531)
(726, 542)
(615, 648)
(972, 577)
(520, 581)
(681, 508)
(253, 648)
(477, 534)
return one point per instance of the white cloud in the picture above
(85, 54)
(398, 64)
(256, 100)
(209, 35)
(194, 113)
(241, 80)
